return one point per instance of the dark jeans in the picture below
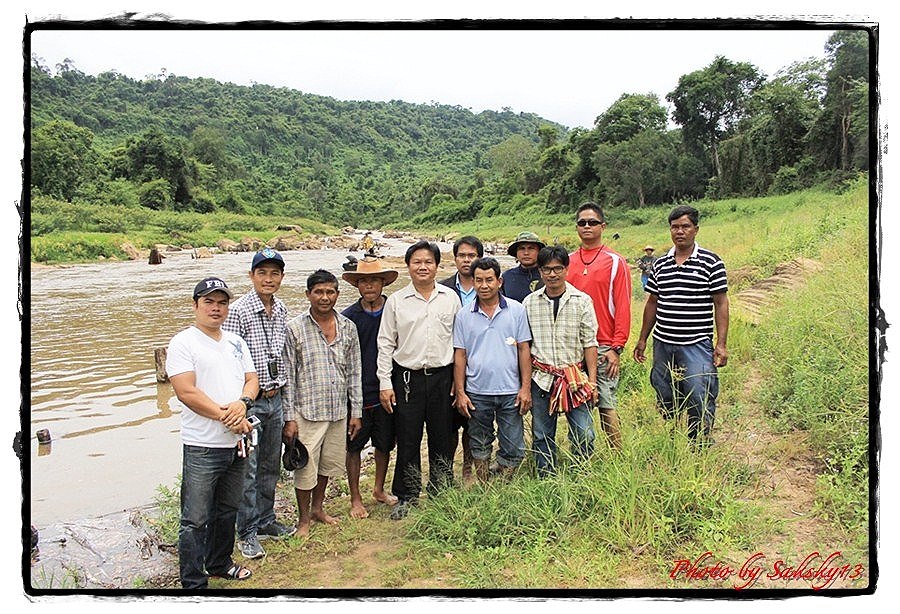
(257, 507)
(510, 428)
(685, 379)
(429, 408)
(211, 482)
(543, 431)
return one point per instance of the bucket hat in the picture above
(526, 236)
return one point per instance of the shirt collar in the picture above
(476, 305)
(257, 305)
(671, 251)
(567, 292)
(410, 289)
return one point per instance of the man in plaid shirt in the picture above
(324, 371)
(564, 356)
(260, 318)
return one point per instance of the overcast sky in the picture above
(567, 76)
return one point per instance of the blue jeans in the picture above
(543, 431)
(685, 378)
(257, 507)
(211, 482)
(510, 428)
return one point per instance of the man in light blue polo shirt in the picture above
(492, 370)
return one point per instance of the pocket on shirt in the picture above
(446, 320)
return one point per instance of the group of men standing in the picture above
(478, 349)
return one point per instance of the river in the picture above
(115, 431)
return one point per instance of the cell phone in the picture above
(254, 421)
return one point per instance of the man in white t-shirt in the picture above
(214, 379)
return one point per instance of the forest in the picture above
(171, 143)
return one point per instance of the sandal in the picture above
(235, 572)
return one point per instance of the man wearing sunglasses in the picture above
(603, 275)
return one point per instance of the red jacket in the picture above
(603, 275)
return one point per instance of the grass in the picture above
(80, 232)
(621, 519)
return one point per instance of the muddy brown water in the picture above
(115, 431)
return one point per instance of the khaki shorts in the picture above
(326, 443)
(606, 386)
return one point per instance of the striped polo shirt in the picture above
(684, 312)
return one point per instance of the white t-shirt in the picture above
(219, 369)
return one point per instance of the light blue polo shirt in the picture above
(465, 297)
(492, 359)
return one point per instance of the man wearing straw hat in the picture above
(645, 263)
(370, 278)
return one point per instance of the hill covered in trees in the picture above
(173, 143)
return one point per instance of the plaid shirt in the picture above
(322, 376)
(560, 341)
(264, 335)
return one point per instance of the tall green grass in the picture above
(656, 500)
(815, 353)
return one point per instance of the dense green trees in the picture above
(173, 143)
(710, 102)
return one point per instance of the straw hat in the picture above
(650, 247)
(370, 267)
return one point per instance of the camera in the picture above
(254, 434)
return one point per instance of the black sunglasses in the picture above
(588, 223)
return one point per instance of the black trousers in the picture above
(428, 409)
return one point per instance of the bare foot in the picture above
(358, 510)
(303, 529)
(324, 518)
(383, 497)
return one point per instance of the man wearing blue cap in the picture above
(261, 319)
(215, 381)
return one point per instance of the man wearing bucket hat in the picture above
(520, 281)
(260, 318)
(370, 278)
(212, 373)
(645, 263)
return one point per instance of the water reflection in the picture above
(94, 329)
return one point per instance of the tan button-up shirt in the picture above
(416, 333)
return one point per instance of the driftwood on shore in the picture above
(159, 356)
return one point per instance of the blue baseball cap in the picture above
(267, 255)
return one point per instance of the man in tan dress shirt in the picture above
(415, 372)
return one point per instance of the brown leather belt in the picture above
(268, 394)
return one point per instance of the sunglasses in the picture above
(588, 223)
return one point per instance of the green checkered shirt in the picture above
(560, 341)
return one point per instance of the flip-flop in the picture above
(235, 572)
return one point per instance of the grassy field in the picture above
(787, 476)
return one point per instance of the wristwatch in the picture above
(247, 401)
(617, 349)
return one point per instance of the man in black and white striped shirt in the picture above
(687, 301)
